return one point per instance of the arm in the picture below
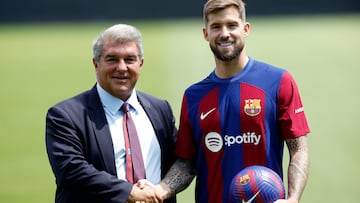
(298, 169)
(77, 173)
(177, 179)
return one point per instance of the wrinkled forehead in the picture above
(114, 47)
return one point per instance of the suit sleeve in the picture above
(76, 177)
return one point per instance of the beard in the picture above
(227, 56)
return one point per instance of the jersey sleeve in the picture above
(185, 143)
(292, 117)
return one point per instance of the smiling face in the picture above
(226, 32)
(118, 68)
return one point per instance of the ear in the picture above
(247, 29)
(141, 63)
(94, 63)
(205, 33)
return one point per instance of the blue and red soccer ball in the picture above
(256, 184)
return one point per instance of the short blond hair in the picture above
(212, 6)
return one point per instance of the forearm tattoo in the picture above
(298, 170)
(179, 176)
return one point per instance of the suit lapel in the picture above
(101, 131)
(152, 114)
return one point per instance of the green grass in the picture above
(42, 64)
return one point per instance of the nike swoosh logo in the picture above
(203, 116)
(251, 199)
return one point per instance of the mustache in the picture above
(227, 56)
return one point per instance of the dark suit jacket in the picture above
(81, 153)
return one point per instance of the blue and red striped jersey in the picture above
(229, 124)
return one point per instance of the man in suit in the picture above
(85, 134)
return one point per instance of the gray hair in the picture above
(118, 33)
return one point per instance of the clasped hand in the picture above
(144, 192)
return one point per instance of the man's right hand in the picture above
(143, 192)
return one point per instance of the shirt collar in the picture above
(113, 103)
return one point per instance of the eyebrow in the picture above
(110, 55)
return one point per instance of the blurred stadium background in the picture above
(45, 52)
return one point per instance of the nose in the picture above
(225, 32)
(121, 65)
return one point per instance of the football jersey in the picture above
(229, 124)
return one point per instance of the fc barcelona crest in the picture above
(252, 107)
(244, 179)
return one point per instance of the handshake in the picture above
(143, 192)
(176, 180)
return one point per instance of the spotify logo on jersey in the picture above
(213, 141)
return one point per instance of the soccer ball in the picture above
(256, 184)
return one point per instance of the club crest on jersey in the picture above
(252, 107)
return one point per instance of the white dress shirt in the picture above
(149, 144)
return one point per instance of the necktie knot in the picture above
(125, 107)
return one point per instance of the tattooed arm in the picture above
(177, 179)
(298, 169)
